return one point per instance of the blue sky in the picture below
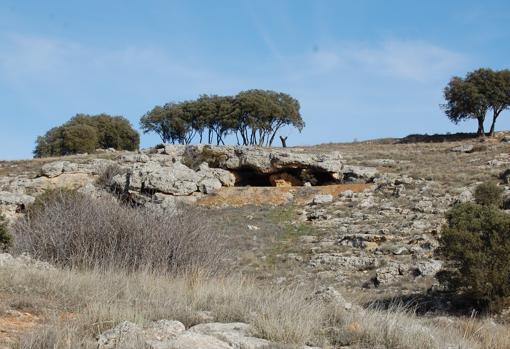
(360, 69)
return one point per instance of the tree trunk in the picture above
(481, 131)
(492, 131)
(284, 141)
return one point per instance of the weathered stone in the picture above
(53, 169)
(226, 178)
(209, 185)
(330, 295)
(193, 340)
(177, 180)
(429, 267)
(322, 199)
(23, 261)
(123, 335)
(464, 148)
(15, 198)
(465, 196)
(237, 335)
(262, 160)
(356, 173)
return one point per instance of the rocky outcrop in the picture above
(166, 334)
(168, 176)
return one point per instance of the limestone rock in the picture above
(123, 335)
(237, 335)
(190, 340)
(177, 180)
(15, 198)
(225, 177)
(209, 185)
(464, 148)
(332, 296)
(465, 196)
(356, 173)
(23, 261)
(53, 169)
(429, 267)
(322, 199)
(262, 160)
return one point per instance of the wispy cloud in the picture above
(412, 60)
(26, 60)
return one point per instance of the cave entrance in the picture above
(284, 178)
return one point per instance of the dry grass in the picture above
(83, 304)
(76, 306)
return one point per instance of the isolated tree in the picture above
(84, 133)
(480, 91)
(465, 101)
(495, 88)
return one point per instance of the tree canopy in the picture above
(471, 97)
(254, 117)
(85, 133)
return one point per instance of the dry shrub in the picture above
(105, 179)
(74, 230)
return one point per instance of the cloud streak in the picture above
(417, 61)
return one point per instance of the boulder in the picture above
(226, 178)
(158, 334)
(124, 334)
(322, 199)
(330, 295)
(209, 185)
(53, 169)
(465, 196)
(428, 267)
(356, 173)
(178, 180)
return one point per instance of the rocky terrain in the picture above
(361, 218)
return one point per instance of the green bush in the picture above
(5, 237)
(475, 245)
(85, 133)
(489, 194)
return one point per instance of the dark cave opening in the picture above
(292, 176)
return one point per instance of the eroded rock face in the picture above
(262, 160)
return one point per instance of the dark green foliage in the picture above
(475, 245)
(472, 97)
(5, 236)
(253, 117)
(489, 194)
(85, 133)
